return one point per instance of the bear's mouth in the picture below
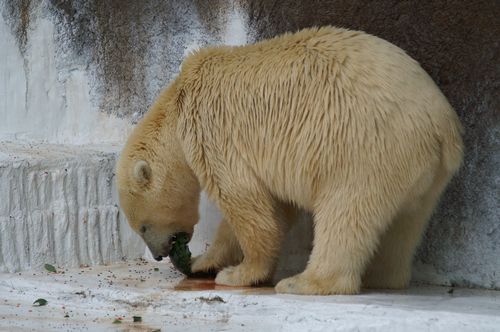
(167, 247)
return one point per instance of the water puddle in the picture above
(192, 284)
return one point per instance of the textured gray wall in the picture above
(133, 48)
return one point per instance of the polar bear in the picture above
(336, 122)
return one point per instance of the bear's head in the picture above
(157, 190)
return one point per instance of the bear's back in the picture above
(313, 104)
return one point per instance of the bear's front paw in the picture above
(308, 285)
(204, 264)
(242, 275)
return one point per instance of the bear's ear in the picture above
(142, 172)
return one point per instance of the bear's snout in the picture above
(162, 250)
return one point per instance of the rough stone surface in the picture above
(83, 71)
(58, 205)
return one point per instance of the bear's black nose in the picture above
(158, 258)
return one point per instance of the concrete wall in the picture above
(85, 71)
(58, 205)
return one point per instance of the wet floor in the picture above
(193, 284)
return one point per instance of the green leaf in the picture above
(40, 302)
(50, 268)
(117, 321)
(137, 319)
(180, 256)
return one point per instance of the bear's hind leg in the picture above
(251, 214)
(224, 251)
(391, 265)
(347, 228)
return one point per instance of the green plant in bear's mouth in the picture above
(180, 256)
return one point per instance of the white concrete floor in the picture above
(92, 298)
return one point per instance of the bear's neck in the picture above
(166, 118)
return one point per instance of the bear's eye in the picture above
(143, 229)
